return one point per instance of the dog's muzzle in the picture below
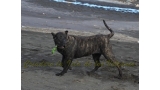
(61, 47)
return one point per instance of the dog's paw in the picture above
(118, 77)
(70, 68)
(59, 74)
(90, 73)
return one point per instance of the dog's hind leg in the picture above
(108, 54)
(97, 62)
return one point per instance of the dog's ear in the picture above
(52, 34)
(66, 32)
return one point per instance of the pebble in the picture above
(59, 17)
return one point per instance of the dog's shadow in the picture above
(104, 73)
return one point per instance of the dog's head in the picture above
(60, 39)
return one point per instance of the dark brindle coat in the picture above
(72, 47)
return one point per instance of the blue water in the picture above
(118, 9)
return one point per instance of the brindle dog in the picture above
(72, 47)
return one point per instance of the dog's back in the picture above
(87, 45)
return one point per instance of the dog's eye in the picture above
(60, 36)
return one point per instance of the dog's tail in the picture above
(112, 32)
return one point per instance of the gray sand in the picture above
(43, 77)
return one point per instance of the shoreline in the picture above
(120, 35)
(90, 4)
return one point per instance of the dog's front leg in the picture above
(63, 63)
(66, 65)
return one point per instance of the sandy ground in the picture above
(39, 66)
